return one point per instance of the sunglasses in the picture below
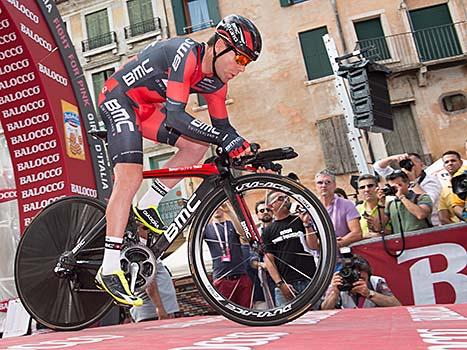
(327, 182)
(362, 187)
(241, 59)
(264, 210)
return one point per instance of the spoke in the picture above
(293, 267)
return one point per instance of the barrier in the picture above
(431, 270)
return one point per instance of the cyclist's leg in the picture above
(189, 152)
(125, 151)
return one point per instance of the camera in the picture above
(459, 185)
(297, 209)
(389, 190)
(349, 272)
(406, 164)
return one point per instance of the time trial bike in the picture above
(61, 250)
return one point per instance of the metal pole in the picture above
(353, 134)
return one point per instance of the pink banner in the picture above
(39, 113)
(431, 270)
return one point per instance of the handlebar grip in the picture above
(276, 154)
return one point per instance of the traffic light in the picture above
(369, 95)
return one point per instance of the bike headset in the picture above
(240, 35)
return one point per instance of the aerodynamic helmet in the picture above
(240, 33)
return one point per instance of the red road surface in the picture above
(435, 327)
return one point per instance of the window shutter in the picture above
(213, 8)
(285, 3)
(179, 16)
(315, 54)
(370, 33)
(146, 10)
(338, 156)
(134, 11)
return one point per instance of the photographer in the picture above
(362, 290)
(420, 182)
(459, 195)
(372, 207)
(409, 211)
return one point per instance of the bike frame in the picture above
(214, 175)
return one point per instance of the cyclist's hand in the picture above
(263, 170)
(235, 145)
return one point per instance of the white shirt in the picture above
(430, 184)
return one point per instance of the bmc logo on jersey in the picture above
(181, 51)
(137, 73)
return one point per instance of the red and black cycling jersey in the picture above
(166, 72)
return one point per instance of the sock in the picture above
(111, 262)
(153, 196)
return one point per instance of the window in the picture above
(98, 80)
(173, 202)
(434, 33)
(285, 3)
(98, 30)
(370, 34)
(338, 155)
(193, 15)
(454, 103)
(141, 18)
(405, 137)
(315, 54)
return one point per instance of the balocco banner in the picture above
(431, 270)
(46, 110)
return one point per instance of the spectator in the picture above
(229, 271)
(341, 193)
(420, 182)
(452, 162)
(343, 213)
(290, 267)
(371, 210)
(263, 294)
(369, 291)
(409, 211)
(264, 215)
(460, 205)
(160, 298)
(458, 200)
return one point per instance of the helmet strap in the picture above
(216, 56)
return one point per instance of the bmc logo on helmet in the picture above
(235, 33)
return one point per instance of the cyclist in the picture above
(147, 98)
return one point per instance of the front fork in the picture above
(243, 214)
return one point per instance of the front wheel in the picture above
(237, 277)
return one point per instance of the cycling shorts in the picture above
(128, 122)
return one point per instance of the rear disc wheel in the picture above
(72, 301)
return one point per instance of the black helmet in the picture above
(240, 33)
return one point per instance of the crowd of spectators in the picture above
(403, 196)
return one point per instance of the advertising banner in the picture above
(41, 110)
(432, 269)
